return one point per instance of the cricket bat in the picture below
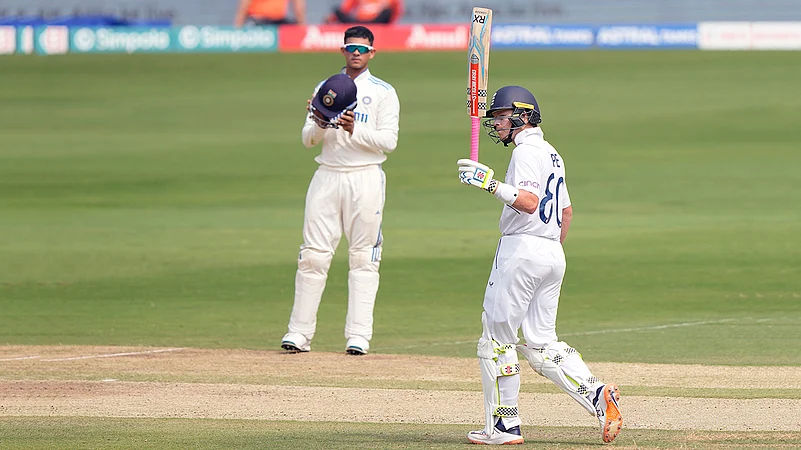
(478, 48)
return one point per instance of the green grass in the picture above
(158, 200)
(103, 433)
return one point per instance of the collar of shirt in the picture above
(361, 76)
(528, 132)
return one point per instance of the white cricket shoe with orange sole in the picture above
(608, 410)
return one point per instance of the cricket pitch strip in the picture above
(271, 385)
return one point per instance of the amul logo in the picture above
(315, 38)
(420, 37)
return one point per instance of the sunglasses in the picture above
(350, 48)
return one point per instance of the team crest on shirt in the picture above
(367, 100)
(328, 98)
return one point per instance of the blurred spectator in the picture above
(269, 12)
(367, 11)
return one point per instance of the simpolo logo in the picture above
(131, 41)
(226, 38)
(236, 39)
(189, 37)
(84, 40)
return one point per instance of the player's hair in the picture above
(359, 32)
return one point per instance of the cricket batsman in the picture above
(355, 116)
(526, 276)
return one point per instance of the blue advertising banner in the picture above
(542, 36)
(180, 39)
(225, 39)
(119, 39)
(647, 36)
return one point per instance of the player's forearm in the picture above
(567, 217)
(526, 202)
(382, 141)
(311, 134)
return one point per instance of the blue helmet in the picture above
(336, 95)
(525, 110)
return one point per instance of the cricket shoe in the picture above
(357, 346)
(608, 411)
(295, 343)
(500, 435)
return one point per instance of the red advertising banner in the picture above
(749, 35)
(300, 38)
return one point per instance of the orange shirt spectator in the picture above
(368, 11)
(269, 12)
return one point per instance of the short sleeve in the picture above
(527, 170)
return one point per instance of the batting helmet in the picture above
(336, 95)
(525, 110)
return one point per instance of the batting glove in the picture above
(476, 174)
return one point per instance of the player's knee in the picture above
(314, 261)
(504, 355)
(560, 352)
(365, 260)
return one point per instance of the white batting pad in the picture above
(563, 365)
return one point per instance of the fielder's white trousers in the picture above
(349, 201)
(523, 290)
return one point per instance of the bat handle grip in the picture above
(474, 126)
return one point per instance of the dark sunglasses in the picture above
(350, 48)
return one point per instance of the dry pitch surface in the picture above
(270, 385)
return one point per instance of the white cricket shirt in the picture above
(536, 167)
(374, 133)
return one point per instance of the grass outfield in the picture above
(70, 433)
(158, 200)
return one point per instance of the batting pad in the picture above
(551, 363)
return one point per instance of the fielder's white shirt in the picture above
(538, 168)
(374, 133)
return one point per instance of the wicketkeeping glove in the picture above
(476, 174)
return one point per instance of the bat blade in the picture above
(478, 48)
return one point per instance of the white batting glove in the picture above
(475, 174)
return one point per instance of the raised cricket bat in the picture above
(478, 48)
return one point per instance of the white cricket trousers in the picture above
(349, 200)
(523, 289)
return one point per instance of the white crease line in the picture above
(583, 333)
(657, 327)
(113, 355)
(20, 358)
